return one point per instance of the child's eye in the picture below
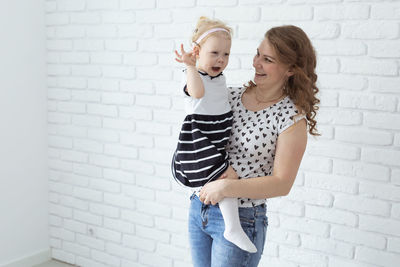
(215, 52)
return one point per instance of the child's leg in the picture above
(230, 212)
(233, 230)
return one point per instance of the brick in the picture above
(60, 142)
(339, 116)
(293, 13)
(63, 256)
(104, 210)
(60, 165)
(284, 238)
(153, 128)
(304, 225)
(71, 107)
(170, 251)
(153, 182)
(140, 59)
(378, 190)
(120, 176)
(88, 194)
(70, 5)
(333, 262)
(362, 205)
(358, 237)
(105, 258)
(384, 49)
(171, 225)
(139, 192)
(156, 46)
(102, 110)
(153, 16)
(88, 45)
(383, 156)
(133, 241)
(119, 225)
(369, 67)
(316, 164)
(395, 177)
(118, 17)
(219, 3)
(372, 30)
(395, 211)
(153, 208)
(234, 14)
(154, 259)
(363, 136)
(86, 145)
(90, 242)
(121, 252)
(137, 4)
(326, 245)
(106, 234)
(86, 120)
(75, 156)
(105, 58)
(186, 15)
(342, 81)
(331, 182)
(80, 261)
(60, 210)
(121, 72)
(101, 31)
(386, 11)
(87, 170)
(136, 113)
(377, 257)
(74, 202)
(85, 18)
(382, 120)
(53, 117)
(76, 249)
(103, 135)
(75, 226)
(121, 151)
(135, 31)
(394, 245)
(61, 233)
(331, 216)
(320, 31)
(342, 12)
(287, 207)
(370, 101)
(74, 57)
(362, 170)
(327, 65)
(153, 101)
(119, 200)
(104, 161)
(87, 217)
(340, 151)
(138, 218)
(70, 32)
(311, 196)
(303, 257)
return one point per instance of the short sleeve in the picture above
(288, 116)
(184, 83)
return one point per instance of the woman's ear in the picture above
(289, 72)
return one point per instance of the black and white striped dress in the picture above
(200, 155)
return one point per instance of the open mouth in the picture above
(216, 69)
(260, 74)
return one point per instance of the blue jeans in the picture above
(209, 247)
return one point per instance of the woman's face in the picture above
(214, 55)
(269, 71)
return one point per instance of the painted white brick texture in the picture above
(114, 113)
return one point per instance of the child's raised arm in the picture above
(195, 86)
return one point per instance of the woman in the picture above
(269, 135)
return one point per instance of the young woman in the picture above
(271, 117)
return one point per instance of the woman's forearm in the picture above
(258, 188)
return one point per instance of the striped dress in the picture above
(200, 155)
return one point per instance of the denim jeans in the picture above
(209, 247)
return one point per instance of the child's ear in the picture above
(196, 50)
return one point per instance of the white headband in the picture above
(207, 33)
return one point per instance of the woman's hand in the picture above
(188, 58)
(213, 192)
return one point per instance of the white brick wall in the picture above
(114, 111)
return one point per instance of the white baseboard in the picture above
(30, 260)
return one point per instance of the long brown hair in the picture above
(294, 48)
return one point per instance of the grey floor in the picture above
(53, 263)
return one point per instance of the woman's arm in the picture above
(289, 152)
(194, 84)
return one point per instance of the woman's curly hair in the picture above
(294, 48)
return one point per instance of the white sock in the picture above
(233, 230)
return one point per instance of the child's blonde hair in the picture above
(204, 24)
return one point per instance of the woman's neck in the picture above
(265, 96)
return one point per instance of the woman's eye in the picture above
(267, 60)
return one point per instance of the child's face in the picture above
(214, 55)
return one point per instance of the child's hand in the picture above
(188, 58)
(229, 174)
